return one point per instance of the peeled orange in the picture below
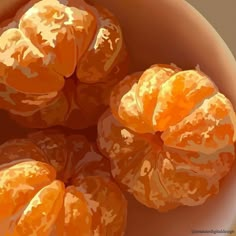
(52, 184)
(169, 134)
(54, 56)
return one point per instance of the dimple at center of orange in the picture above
(155, 140)
(183, 130)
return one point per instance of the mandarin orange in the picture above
(169, 134)
(58, 60)
(52, 184)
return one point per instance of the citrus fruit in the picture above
(51, 53)
(170, 135)
(53, 184)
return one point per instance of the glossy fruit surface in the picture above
(169, 135)
(58, 61)
(52, 184)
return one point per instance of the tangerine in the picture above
(52, 184)
(55, 55)
(170, 136)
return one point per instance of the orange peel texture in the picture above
(52, 184)
(170, 136)
(58, 62)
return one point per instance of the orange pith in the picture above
(51, 53)
(64, 187)
(169, 135)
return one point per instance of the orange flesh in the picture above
(173, 142)
(80, 108)
(103, 51)
(41, 212)
(208, 128)
(45, 45)
(149, 86)
(21, 63)
(76, 221)
(33, 202)
(19, 183)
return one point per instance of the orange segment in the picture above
(160, 176)
(21, 65)
(52, 38)
(134, 162)
(42, 80)
(16, 50)
(78, 106)
(212, 167)
(91, 100)
(84, 26)
(122, 146)
(51, 114)
(25, 104)
(77, 112)
(20, 182)
(42, 211)
(19, 149)
(184, 164)
(58, 228)
(187, 186)
(53, 145)
(179, 95)
(207, 129)
(117, 74)
(192, 177)
(72, 156)
(78, 218)
(148, 186)
(109, 217)
(48, 26)
(123, 103)
(61, 33)
(102, 54)
(149, 86)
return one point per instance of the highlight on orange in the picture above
(63, 57)
(169, 134)
(55, 184)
